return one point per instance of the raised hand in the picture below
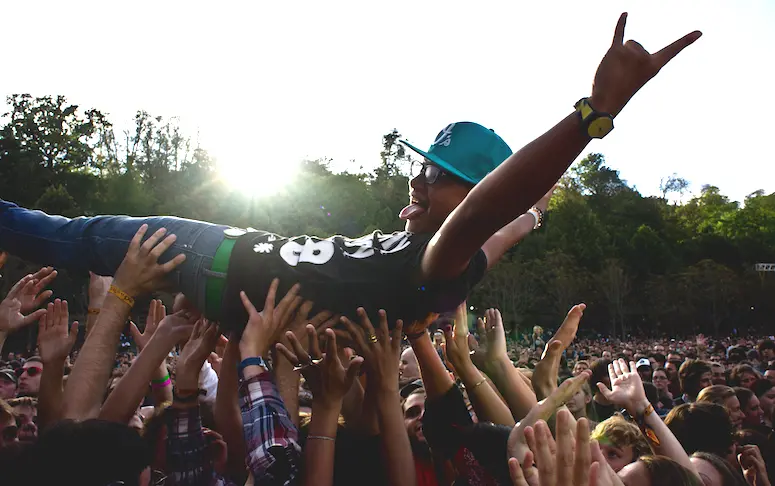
(328, 379)
(545, 376)
(199, 346)
(53, 338)
(753, 466)
(156, 312)
(565, 461)
(517, 444)
(626, 387)
(140, 271)
(456, 341)
(12, 315)
(627, 66)
(175, 328)
(262, 327)
(33, 296)
(380, 348)
(320, 322)
(492, 340)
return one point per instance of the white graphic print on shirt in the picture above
(321, 251)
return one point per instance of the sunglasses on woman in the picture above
(31, 371)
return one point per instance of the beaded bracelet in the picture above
(122, 296)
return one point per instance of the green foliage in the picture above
(642, 264)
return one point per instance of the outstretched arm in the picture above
(55, 344)
(129, 393)
(627, 392)
(139, 273)
(514, 232)
(523, 178)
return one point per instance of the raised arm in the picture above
(286, 376)
(492, 358)
(514, 232)
(523, 178)
(98, 290)
(546, 375)
(129, 393)
(381, 349)
(228, 420)
(19, 308)
(188, 463)
(55, 344)
(329, 381)
(272, 440)
(488, 405)
(161, 385)
(627, 392)
(138, 273)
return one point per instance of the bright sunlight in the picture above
(258, 179)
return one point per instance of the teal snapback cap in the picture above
(466, 150)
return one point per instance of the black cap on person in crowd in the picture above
(9, 374)
(407, 389)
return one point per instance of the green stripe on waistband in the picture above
(214, 286)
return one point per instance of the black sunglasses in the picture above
(32, 371)
(431, 173)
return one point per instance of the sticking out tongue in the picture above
(412, 211)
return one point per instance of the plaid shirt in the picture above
(274, 454)
(188, 461)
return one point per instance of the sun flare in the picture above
(256, 179)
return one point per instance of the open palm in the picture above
(626, 386)
(492, 340)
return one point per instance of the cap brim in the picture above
(406, 390)
(440, 162)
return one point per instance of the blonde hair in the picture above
(717, 394)
(621, 433)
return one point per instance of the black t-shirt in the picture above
(376, 271)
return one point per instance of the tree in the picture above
(673, 184)
(615, 286)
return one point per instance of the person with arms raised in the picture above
(467, 207)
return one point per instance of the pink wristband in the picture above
(163, 384)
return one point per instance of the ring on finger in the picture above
(317, 361)
(373, 338)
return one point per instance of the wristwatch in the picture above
(255, 361)
(595, 124)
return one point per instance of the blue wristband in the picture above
(257, 361)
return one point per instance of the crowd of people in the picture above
(313, 399)
(286, 361)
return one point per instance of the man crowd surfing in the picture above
(286, 361)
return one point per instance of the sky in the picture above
(262, 85)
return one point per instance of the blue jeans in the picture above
(99, 243)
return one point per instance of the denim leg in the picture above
(99, 243)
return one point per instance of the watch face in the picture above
(600, 127)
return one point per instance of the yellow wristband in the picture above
(123, 296)
(93, 311)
